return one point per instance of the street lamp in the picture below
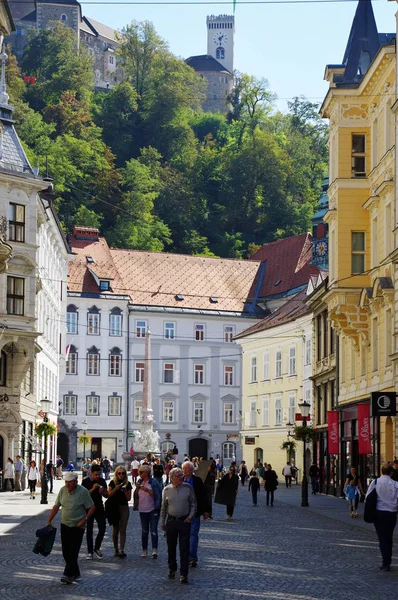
(84, 423)
(46, 404)
(305, 411)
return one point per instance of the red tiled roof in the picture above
(287, 262)
(155, 279)
(291, 310)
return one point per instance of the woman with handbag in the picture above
(33, 478)
(148, 499)
(117, 508)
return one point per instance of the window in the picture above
(92, 405)
(93, 324)
(266, 365)
(374, 246)
(3, 369)
(228, 375)
(228, 413)
(140, 328)
(70, 404)
(137, 410)
(388, 335)
(278, 411)
(115, 363)
(139, 372)
(220, 53)
(104, 285)
(71, 363)
(111, 60)
(168, 373)
(229, 332)
(15, 295)
(93, 361)
(375, 344)
(115, 323)
(199, 332)
(253, 369)
(357, 252)
(292, 360)
(19, 30)
(169, 331)
(307, 352)
(168, 411)
(114, 406)
(64, 18)
(278, 363)
(71, 320)
(253, 412)
(292, 408)
(198, 412)
(358, 156)
(199, 374)
(265, 411)
(16, 223)
(228, 451)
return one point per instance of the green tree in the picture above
(86, 217)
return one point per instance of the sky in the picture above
(288, 44)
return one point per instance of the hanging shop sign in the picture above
(250, 441)
(384, 404)
(364, 442)
(333, 432)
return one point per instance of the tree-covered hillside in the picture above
(147, 166)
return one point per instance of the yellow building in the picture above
(277, 356)
(359, 295)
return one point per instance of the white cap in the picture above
(70, 476)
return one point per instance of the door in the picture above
(198, 447)
(63, 447)
(96, 448)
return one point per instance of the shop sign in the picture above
(298, 417)
(333, 432)
(384, 404)
(250, 441)
(364, 443)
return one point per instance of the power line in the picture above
(200, 2)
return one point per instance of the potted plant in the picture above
(289, 446)
(47, 429)
(84, 439)
(303, 433)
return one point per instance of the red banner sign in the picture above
(364, 442)
(333, 432)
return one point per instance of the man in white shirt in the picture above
(386, 512)
(287, 473)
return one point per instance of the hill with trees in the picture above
(147, 166)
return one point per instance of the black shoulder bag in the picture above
(369, 514)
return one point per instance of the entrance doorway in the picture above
(198, 447)
(96, 448)
(63, 447)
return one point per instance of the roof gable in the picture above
(205, 62)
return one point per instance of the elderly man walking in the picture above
(178, 509)
(77, 508)
(203, 508)
(386, 512)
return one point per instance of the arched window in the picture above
(115, 322)
(220, 53)
(71, 319)
(228, 451)
(71, 361)
(63, 18)
(115, 362)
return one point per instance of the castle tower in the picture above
(220, 39)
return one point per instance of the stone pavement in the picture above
(285, 552)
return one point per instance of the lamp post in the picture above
(46, 404)
(305, 411)
(84, 423)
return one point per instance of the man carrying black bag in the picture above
(386, 512)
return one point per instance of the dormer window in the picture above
(89, 260)
(104, 285)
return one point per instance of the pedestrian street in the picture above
(284, 552)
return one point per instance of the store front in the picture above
(326, 463)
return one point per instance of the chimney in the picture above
(88, 234)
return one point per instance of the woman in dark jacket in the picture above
(227, 488)
(270, 483)
(210, 483)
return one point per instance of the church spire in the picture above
(363, 43)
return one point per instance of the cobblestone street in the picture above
(285, 552)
